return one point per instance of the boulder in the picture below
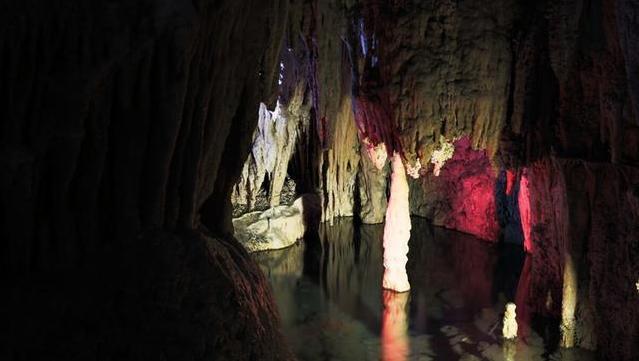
(275, 228)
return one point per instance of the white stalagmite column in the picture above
(397, 230)
(509, 328)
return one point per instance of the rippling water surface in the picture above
(328, 291)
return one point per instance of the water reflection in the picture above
(394, 334)
(328, 291)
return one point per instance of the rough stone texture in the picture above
(447, 64)
(583, 188)
(89, 118)
(125, 117)
(340, 163)
(338, 150)
(585, 229)
(118, 119)
(278, 227)
(372, 190)
(462, 197)
(271, 150)
(163, 299)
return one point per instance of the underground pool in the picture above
(328, 289)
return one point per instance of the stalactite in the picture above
(273, 144)
(372, 189)
(341, 162)
(397, 230)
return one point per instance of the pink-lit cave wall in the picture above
(585, 255)
(462, 197)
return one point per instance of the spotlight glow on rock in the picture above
(377, 153)
(413, 171)
(442, 154)
(509, 330)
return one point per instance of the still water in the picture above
(329, 295)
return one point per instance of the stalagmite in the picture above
(397, 230)
(509, 330)
(569, 304)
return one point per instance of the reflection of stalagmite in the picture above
(510, 350)
(509, 331)
(522, 298)
(569, 303)
(395, 343)
(397, 230)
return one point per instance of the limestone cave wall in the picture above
(539, 102)
(124, 125)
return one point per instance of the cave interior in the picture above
(459, 179)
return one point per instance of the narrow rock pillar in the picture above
(397, 230)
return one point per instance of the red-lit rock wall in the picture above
(462, 197)
(588, 212)
(574, 134)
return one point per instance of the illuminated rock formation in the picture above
(441, 155)
(125, 125)
(462, 197)
(275, 228)
(272, 147)
(566, 215)
(509, 329)
(372, 190)
(397, 230)
(341, 162)
(377, 153)
(568, 304)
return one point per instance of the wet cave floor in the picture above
(328, 291)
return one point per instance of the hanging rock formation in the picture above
(271, 150)
(278, 227)
(372, 190)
